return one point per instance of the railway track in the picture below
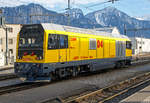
(20, 87)
(8, 76)
(105, 94)
(98, 95)
(8, 68)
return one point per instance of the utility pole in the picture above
(6, 45)
(141, 43)
(125, 29)
(68, 4)
(68, 9)
(30, 19)
(3, 25)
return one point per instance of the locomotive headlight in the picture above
(19, 57)
(39, 58)
(25, 53)
(32, 54)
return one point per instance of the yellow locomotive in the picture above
(49, 51)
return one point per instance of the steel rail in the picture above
(8, 76)
(20, 87)
(8, 68)
(107, 93)
(98, 96)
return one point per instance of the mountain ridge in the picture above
(111, 17)
(107, 17)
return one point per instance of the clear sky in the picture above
(136, 8)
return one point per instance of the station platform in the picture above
(7, 69)
(6, 66)
(142, 96)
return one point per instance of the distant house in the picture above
(140, 45)
(112, 30)
(12, 40)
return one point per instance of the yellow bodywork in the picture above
(78, 48)
(128, 52)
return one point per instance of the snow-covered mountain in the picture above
(24, 14)
(146, 17)
(111, 16)
(140, 18)
(107, 17)
(75, 13)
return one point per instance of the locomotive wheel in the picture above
(118, 65)
(74, 72)
(53, 76)
(123, 64)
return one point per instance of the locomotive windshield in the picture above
(31, 36)
(32, 40)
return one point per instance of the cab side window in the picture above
(56, 41)
(128, 45)
(63, 41)
(53, 41)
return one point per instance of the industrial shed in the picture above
(140, 45)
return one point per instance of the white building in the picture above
(2, 59)
(140, 45)
(12, 40)
(114, 32)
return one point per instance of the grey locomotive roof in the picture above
(50, 26)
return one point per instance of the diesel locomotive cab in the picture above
(30, 51)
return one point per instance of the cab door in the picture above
(84, 46)
(63, 46)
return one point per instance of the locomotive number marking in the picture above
(76, 57)
(73, 39)
(99, 44)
